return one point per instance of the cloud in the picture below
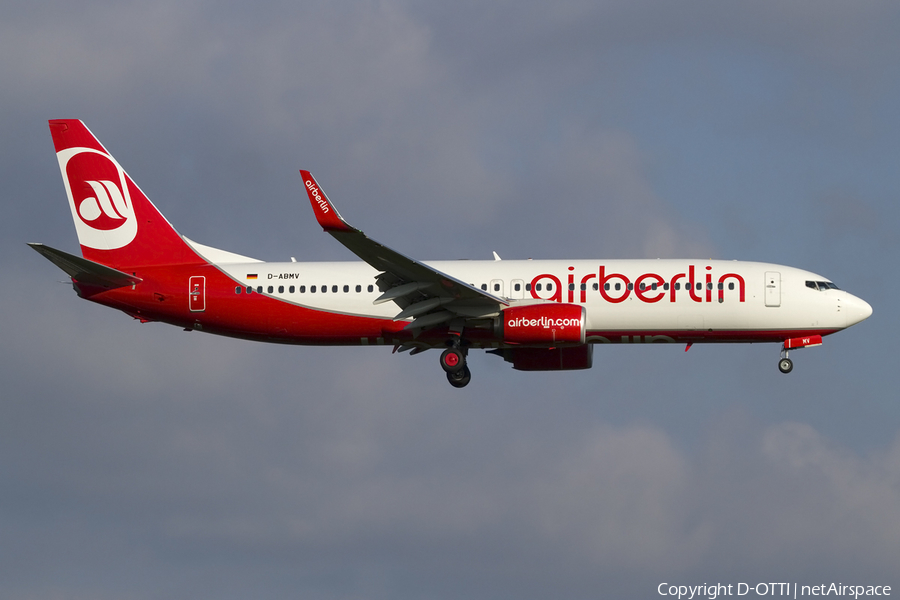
(142, 461)
(859, 497)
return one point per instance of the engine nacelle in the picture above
(547, 324)
(568, 358)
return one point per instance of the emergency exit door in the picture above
(197, 293)
(773, 288)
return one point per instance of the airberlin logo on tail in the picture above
(99, 198)
(314, 192)
(108, 200)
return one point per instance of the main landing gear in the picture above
(453, 361)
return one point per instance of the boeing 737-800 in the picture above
(538, 315)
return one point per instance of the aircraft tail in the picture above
(116, 223)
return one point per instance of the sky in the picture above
(140, 461)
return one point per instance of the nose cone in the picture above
(856, 309)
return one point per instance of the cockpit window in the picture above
(821, 285)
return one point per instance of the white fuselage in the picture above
(677, 296)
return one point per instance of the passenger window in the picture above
(618, 286)
(323, 288)
(358, 289)
(709, 285)
(238, 289)
(280, 289)
(259, 289)
(270, 289)
(496, 287)
(312, 289)
(666, 286)
(527, 287)
(249, 290)
(721, 286)
(596, 287)
(537, 287)
(606, 286)
(643, 287)
(699, 286)
(291, 290)
(484, 286)
(549, 287)
(334, 289)
(677, 287)
(630, 286)
(302, 289)
(731, 286)
(346, 288)
(518, 287)
(571, 287)
(371, 288)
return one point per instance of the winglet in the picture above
(327, 215)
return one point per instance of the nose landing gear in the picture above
(785, 365)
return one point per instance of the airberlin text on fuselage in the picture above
(315, 194)
(647, 287)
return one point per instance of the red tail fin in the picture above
(117, 225)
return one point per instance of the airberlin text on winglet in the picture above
(314, 191)
(647, 287)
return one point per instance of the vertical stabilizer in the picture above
(116, 223)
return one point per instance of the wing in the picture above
(425, 294)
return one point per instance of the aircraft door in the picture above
(773, 288)
(197, 293)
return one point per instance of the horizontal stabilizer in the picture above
(85, 271)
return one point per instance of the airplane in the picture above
(539, 315)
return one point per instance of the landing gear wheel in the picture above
(785, 365)
(453, 361)
(461, 378)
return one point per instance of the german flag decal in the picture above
(252, 276)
